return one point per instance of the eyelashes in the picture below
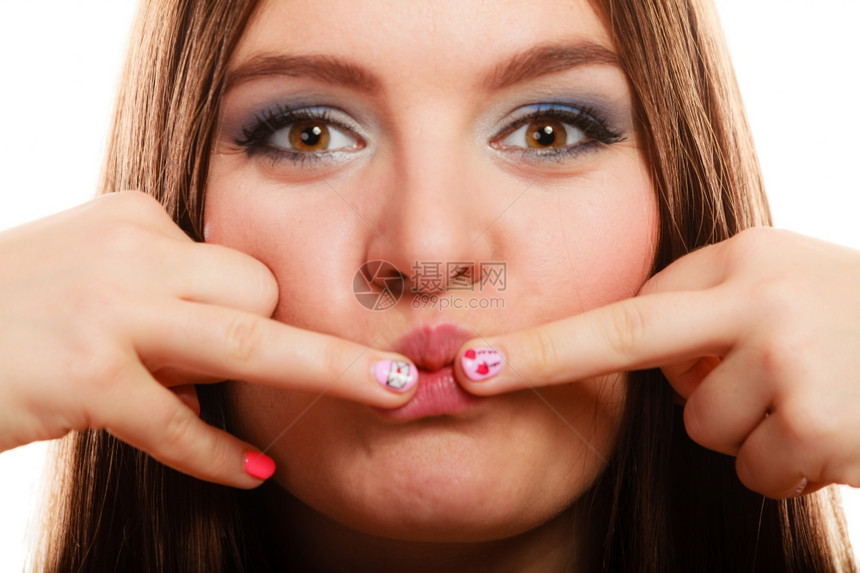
(300, 136)
(315, 134)
(554, 131)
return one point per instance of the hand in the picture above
(106, 307)
(760, 334)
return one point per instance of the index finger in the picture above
(226, 343)
(645, 332)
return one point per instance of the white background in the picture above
(796, 61)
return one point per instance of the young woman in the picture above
(596, 152)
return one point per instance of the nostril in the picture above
(388, 277)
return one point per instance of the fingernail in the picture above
(481, 363)
(396, 375)
(259, 466)
(800, 488)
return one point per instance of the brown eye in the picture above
(540, 133)
(543, 134)
(309, 135)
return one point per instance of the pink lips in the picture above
(432, 348)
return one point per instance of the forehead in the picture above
(420, 36)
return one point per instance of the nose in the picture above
(431, 224)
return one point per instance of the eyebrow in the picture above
(548, 59)
(530, 64)
(325, 68)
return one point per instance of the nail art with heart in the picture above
(481, 363)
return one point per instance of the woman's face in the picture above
(439, 137)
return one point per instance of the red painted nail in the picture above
(259, 466)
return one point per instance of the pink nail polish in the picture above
(396, 375)
(481, 363)
(259, 466)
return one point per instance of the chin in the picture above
(445, 513)
(438, 483)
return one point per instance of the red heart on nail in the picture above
(470, 354)
(482, 368)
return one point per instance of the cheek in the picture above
(587, 246)
(616, 251)
(310, 239)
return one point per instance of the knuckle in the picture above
(104, 370)
(626, 329)
(755, 237)
(745, 468)
(332, 360)
(129, 216)
(702, 423)
(776, 294)
(121, 207)
(751, 244)
(220, 455)
(243, 336)
(755, 469)
(184, 443)
(133, 203)
(807, 426)
(122, 240)
(269, 292)
(544, 353)
(693, 422)
(780, 354)
(178, 431)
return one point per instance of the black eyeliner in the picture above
(585, 118)
(266, 123)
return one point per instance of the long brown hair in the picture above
(665, 504)
(113, 507)
(676, 506)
